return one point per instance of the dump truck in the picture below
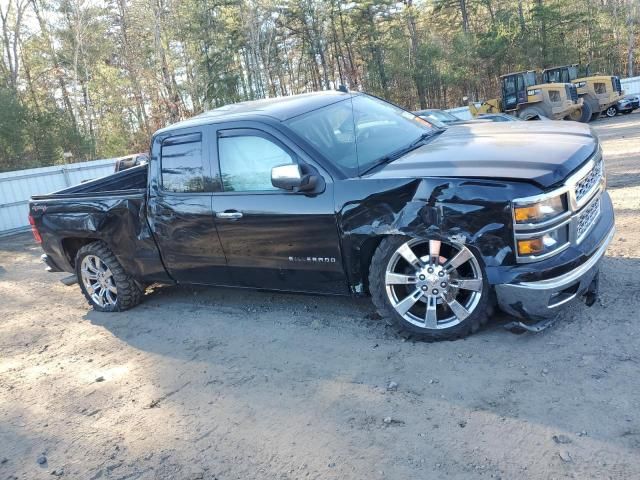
(599, 93)
(525, 98)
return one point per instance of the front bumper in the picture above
(567, 108)
(541, 299)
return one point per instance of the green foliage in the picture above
(97, 78)
(13, 123)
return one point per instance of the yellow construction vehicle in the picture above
(600, 93)
(523, 97)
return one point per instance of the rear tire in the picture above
(435, 313)
(531, 113)
(103, 281)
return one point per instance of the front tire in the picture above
(103, 281)
(531, 113)
(429, 289)
(583, 114)
(611, 112)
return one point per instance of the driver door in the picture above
(273, 238)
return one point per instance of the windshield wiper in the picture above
(425, 136)
(402, 151)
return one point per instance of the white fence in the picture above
(631, 85)
(17, 187)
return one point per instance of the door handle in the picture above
(229, 215)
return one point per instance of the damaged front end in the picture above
(480, 215)
(474, 213)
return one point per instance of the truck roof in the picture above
(279, 108)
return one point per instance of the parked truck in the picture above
(343, 193)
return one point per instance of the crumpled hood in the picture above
(541, 152)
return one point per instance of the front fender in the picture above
(476, 213)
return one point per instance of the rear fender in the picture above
(66, 225)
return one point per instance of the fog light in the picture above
(530, 247)
(536, 246)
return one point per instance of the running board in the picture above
(70, 280)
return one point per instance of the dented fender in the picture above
(119, 221)
(476, 213)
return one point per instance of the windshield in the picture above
(358, 132)
(438, 115)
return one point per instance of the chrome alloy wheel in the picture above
(611, 111)
(433, 284)
(99, 281)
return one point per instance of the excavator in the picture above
(523, 97)
(599, 93)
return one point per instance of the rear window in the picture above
(182, 166)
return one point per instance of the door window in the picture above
(600, 88)
(246, 162)
(181, 160)
(510, 92)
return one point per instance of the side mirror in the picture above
(290, 177)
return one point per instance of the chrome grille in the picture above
(587, 218)
(589, 181)
(583, 193)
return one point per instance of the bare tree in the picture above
(632, 22)
(58, 70)
(11, 32)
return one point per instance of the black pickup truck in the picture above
(343, 193)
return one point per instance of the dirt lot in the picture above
(223, 384)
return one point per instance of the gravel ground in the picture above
(223, 384)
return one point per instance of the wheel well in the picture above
(72, 245)
(367, 249)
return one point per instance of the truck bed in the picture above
(111, 209)
(128, 181)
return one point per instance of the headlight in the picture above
(580, 84)
(540, 211)
(542, 244)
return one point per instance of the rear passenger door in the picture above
(273, 238)
(179, 208)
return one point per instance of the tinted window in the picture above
(510, 92)
(355, 133)
(438, 115)
(182, 169)
(246, 162)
